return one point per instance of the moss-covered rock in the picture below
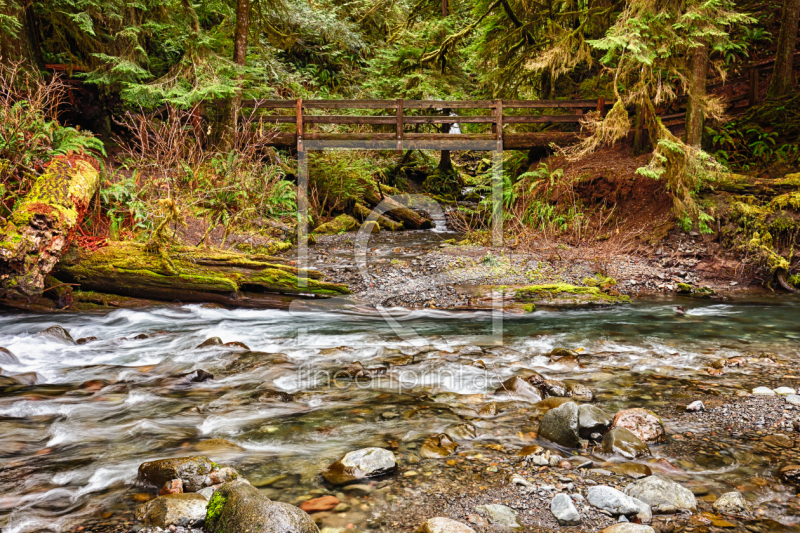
(560, 295)
(238, 507)
(340, 224)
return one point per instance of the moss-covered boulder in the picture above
(239, 507)
(565, 295)
(340, 224)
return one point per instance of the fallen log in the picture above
(361, 212)
(738, 183)
(189, 274)
(394, 209)
(40, 229)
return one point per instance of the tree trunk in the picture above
(240, 58)
(42, 226)
(787, 39)
(361, 212)
(190, 274)
(697, 92)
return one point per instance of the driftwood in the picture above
(189, 274)
(41, 227)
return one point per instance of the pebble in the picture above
(696, 406)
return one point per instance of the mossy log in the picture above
(189, 274)
(361, 212)
(410, 218)
(41, 227)
(738, 183)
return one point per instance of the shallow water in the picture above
(69, 454)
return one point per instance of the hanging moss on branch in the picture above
(40, 229)
(192, 275)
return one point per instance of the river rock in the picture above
(549, 403)
(662, 495)
(763, 391)
(237, 506)
(555, 388)
(195, 472)
(7, 382)
(532, 449)
(323, 503)
(627, 527)
(521, 389)
(463, 431)
(57, 333)
(560, 425)
(632, 470)
(592, 419)
(85, 340)
(611, 500)
(563, 508)
(579, 391)
(645, 514)
(643, 423)
(788, 473)
(793, 399)
(169, 509)
(443, 525)
(785, 391)
(696, 406)
(625, 443)
(438, 446)
(199, 375)
(213, 341)
(500, 515)
(732, 503)
(29, 378)
(174, 486)
(360, 464)
(7, 358)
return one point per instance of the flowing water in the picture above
(71, 444)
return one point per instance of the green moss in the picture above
(529, 308)
(214, 507)
(565, 292)
(684, 288)
(340, 224)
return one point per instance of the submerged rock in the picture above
(213, 341)
(732, 503)
(518, 387)
(443, 525)
(171, 508)
(643, 423)
(438, 446)
(560, 425)
(195, 472)
(696, 406)
(57, 333)
(662, 494)
(500, 515)
(564, 510)
(237, 506)
(625, 443)
(199, 375)
(7, 358)
(360, 464)
(579, 391)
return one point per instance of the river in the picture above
(71, 444)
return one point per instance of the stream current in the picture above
(70, 445)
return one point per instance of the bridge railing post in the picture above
(399, 125)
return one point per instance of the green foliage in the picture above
(337, 178)
(120, 198)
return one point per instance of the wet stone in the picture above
(662, 494)
(438, 446)
(360, 464)
(564, 510)
(520, 389)
(213, 341)
(592, 419)
(500, 515)
(195, 472)
(560, 425)
(643, 423)
(611, 500)
(170, 509)
(732, 503)
(85, 340)
(57, 333)
(627, 527)
(7, 358)
(625, 443)
(443, 525)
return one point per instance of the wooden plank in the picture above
(350, 104)
(399, 125)
(349, 136)
(531, 119)
(348, 119)
(525, 141)
(498, 120)
(550, 104)
(480, 119)
(264, 104)
(444, 104)
(450, 136)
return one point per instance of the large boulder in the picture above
(643, 423)
(438, 446)
(612, 500)
(7, 358)
(195, 472)
(563, 508)
(560, 425)
(171, 508)
(732, 503)
(592, 419)
(625, 443)
(662, 495)
(239, 507)
(360, 464)
(520, 389)
(443, 525)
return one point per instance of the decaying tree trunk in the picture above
(410, 218)
(42, 226)
(361, 212)
(189, 274)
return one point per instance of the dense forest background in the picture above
(153, 91)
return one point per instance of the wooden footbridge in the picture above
(396, 123)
